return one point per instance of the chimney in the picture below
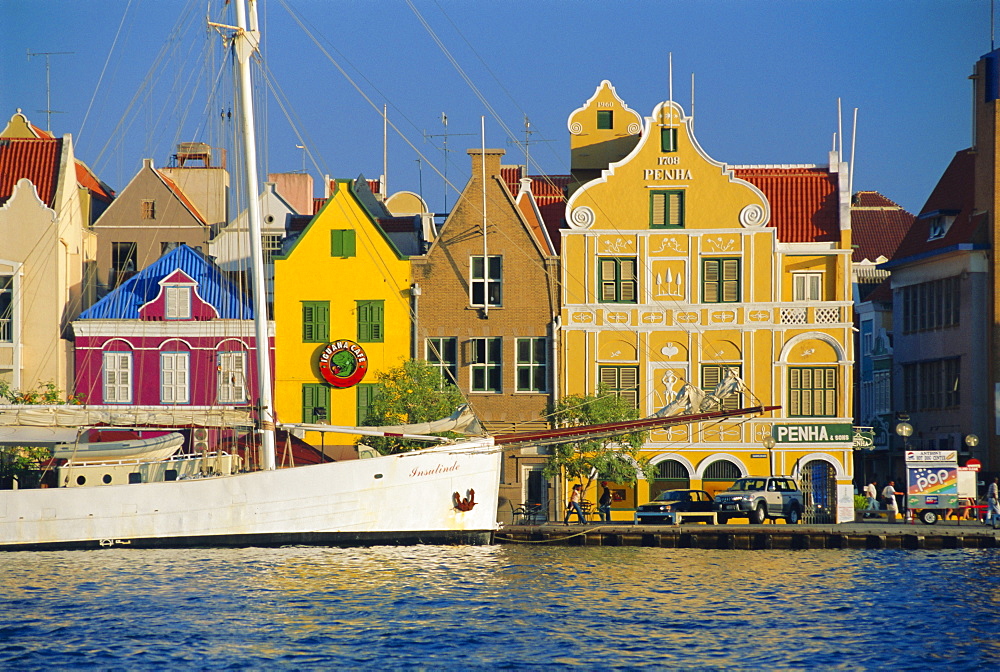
(493, 157)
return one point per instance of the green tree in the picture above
(25, 464)
(615, 458)
(407, 394)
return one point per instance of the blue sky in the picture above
(767, 79)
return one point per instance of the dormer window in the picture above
(178, 303)
(939, 227)
(939, 221)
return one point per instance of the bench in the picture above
(867, 514)
(708, 517)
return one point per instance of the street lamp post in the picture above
(768, 442)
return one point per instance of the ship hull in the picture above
(399, 499)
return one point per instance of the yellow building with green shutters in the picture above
(342, 309)
(677, 267)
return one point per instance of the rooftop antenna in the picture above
(48, 84)
(527, 141)
(840, 131)
(854, 137)
(303, 148)
(385, 151)
(444, 123)
(692, 101)
(671, 83)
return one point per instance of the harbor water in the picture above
(504, 606)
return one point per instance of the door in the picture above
(537, 490)
(818, 481)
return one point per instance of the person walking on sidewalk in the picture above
(992, 505)
(574, 504)
(604, 503)
(871, 497)
(889, 497)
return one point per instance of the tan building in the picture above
(487, 300)
(46, 199)
(151, 216)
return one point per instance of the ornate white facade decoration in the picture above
(582, 218)
(753, 216)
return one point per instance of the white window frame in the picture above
(807, 286)
(175, 375)
(177, 302)
(232, 379)
(7, 323)
(116, 377)
(486, 282)
(434, 355)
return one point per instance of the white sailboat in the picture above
(443, 494)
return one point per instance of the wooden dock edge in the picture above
(753, 537)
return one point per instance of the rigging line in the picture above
(117, 136)
(458, 68)
(368, 99)
(104, 69)
(559, 158)
(298, 128)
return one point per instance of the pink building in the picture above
(178, 333)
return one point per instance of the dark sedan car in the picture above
(661, 509)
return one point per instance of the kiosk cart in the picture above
(932, 480)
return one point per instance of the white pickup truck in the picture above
(759, 498)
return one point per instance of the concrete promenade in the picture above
(857, 535)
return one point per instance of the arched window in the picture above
(720, 475)
(669, 475)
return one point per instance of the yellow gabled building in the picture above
(342, 309)
(677, 268)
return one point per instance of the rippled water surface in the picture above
(500, 607)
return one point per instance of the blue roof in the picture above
(124, 302)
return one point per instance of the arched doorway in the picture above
(720, 475)
(818, 481)
(670, 475)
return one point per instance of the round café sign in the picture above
(343, 363)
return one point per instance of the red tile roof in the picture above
(182, 197)
(878, 226)
(550, 197)
(804, 205)
(34, 158)
(86, 179)
(954, 194)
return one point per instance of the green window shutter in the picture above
(342, 243)
(366, 396)
(371, 328)
(605, 120)
(315, 321)
(315, 403)
(668, 139)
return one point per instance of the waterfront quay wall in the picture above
(755, 537)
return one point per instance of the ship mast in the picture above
(246, 43)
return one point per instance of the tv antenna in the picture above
(48, 83)
(444, 123)
(528, 132)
